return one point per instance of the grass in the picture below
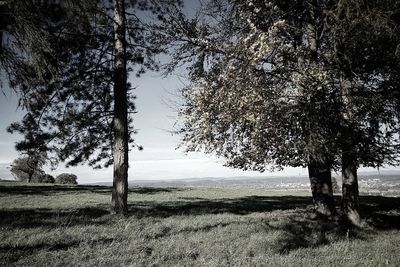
(71, 226)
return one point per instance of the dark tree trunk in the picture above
(120, 182)
(319, 173)
(30, 175)
(321, 188)
(33, 166)
(350, 199)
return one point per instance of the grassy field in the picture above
(70, 226)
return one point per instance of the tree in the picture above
(258, 92)
(66, 178)
(74, 82)
(120, 182)
(28, 168)
(269, 87)
(44, 178)
(365, 38)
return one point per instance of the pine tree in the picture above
(73, 80)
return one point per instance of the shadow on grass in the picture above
(13, 253)
(299, 230)
(155, 190)
(199, 206)
(381, 212)
(50, 218)
(46, 190)
(52, 189)
(305, 232)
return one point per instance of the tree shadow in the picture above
(155, 190)
(379, 214)
(52, 189)
(297, 232)
(51, 218)
(13, 253)
(200, 206)
(382, 213)
(300, 229)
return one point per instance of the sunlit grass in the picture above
(70, 226)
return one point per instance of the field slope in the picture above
(58, 225)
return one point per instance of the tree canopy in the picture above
(28, 168)
(70, 106)
(70, 62)
(291, 83)
(66, 178)
(259, 89)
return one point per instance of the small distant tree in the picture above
(66, 178)
(43, 178)
(28, 168)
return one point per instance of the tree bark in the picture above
(319, 172)
(321, 188)
(350, 194)
(30, 175)
(120, 180)
(33, 166)
(350, 199)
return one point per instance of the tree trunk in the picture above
(30, 175)
(321, 188)
(33, 166)
(350, 201)
(319, 172)
(120, 181)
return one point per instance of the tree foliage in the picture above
(292, 83)
(44, 178)
(255, 91)
(66, 83)
(267, 81)
(66, 178)
(364, 40)
(28, 168)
